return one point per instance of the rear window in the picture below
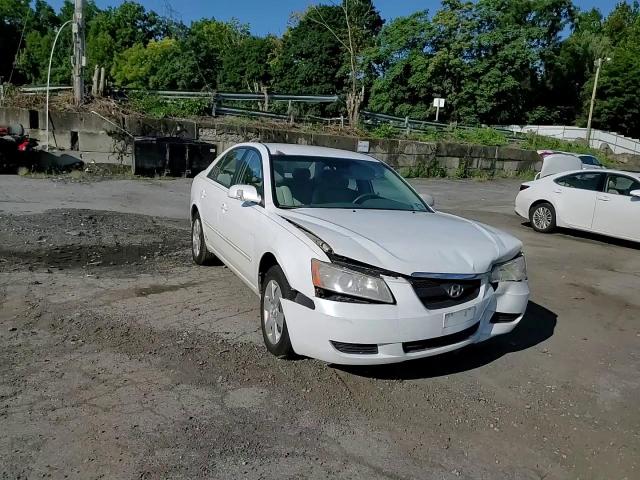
(583, 181)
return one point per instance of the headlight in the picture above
(512, 271)
(328, 276)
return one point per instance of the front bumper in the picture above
(400, 331)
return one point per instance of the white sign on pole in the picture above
(363, 146)
(438, 103)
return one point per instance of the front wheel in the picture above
(543, 217)
(275, 334)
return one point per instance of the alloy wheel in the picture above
(542, 218)
(272, 312)
(196, 237)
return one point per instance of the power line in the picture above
(24, 27)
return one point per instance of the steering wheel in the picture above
(365, 196)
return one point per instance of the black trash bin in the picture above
(171, 156)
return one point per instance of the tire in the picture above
(199, 251)
(543, 217)
(273, 323)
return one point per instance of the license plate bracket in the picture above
(459, 319)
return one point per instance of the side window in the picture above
(223, 171)
(621, 185)
(251, 174)
(583, 181)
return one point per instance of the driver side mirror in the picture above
(635, 193)
(245, 193)
(428, 199)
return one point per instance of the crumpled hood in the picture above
(409, 242)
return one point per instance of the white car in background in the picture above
(586, 161)
(600, 201)
(352, 266)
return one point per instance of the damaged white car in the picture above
(352, 266)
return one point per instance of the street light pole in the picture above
(598, 64)
(46, 111)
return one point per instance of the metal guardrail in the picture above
(38, 89)
(599, 138)
(242, 97)
(409, 124)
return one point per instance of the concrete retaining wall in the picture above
(418, 157)
(89, 137)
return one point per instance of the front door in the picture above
(575, 198)
(242, 221)
(617, 212)
(214, 200)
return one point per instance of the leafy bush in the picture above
(156, 107)
(385, 130)
(480, 136)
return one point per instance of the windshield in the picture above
(326, 182)
(589, 160)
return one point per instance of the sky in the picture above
(272, 16)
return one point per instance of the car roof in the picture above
(313, 151)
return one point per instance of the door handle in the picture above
(224, 208)
(203, 193)
(604, 199)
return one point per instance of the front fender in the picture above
(293, 250)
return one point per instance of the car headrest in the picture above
(334, 179)
(301, 174)
(363, 172)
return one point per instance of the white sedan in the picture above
(351, 265)
(600, 201)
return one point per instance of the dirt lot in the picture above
(121, 359)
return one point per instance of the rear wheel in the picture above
(275, 334)
(199, 252)
(543, 217)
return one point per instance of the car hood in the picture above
(408, 242)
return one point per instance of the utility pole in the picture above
(598, 64)
(79, 60)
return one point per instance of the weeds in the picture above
(156, 107)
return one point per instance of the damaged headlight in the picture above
(512, 271)
(340, 280)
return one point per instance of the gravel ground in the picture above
(121, 359)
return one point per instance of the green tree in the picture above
(248, 66)
(156, 66)
(206, 43)
(114, 30)
(13, 15)
(617, 105)
(403, 85)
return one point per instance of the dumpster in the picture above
(171, 156)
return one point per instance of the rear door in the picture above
(575, 198)
(617, 212)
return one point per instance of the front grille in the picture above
(433, 292)
(356, 348)
(438, 342)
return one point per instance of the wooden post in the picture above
(101, 86)
(94, 83)
(78, 52)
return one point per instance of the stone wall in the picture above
(89, 137)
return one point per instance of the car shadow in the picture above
(596, 237)
(536, 326)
